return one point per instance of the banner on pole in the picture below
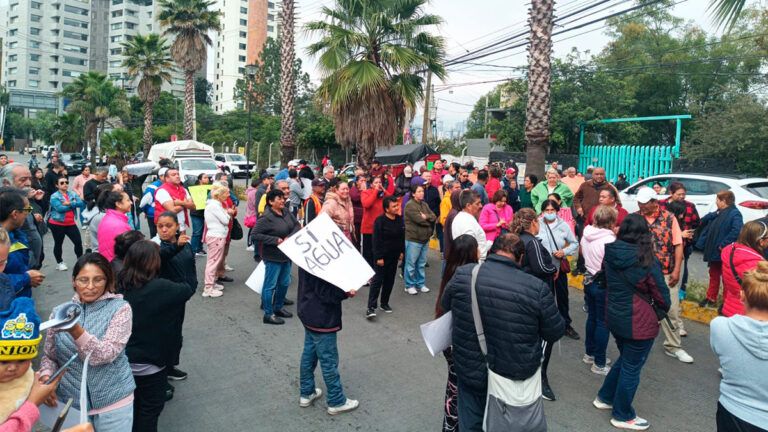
(323, 250)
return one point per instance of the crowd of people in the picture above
(506, 251)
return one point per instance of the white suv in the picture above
(236, 163)
(751, 193)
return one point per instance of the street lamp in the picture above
(250, 72)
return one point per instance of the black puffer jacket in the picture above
(518, 311)
(272, 227)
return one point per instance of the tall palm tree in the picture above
(189, 21)
(95, 98)
(68, 132)
(287, 82)
(148, 56)
(370, 53)
(537, 113)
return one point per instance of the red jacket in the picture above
(372, 208)
(744, 259)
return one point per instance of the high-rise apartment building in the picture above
(245, 26)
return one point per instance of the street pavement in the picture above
(243, 374)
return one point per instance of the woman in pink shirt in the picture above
(114, 222)
(79, 181)
(496, 216)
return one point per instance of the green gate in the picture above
(633, 160)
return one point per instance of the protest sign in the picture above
(256, 279)
(437, 333)
(323, 250)
(199, 194)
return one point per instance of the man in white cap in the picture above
(668, 246)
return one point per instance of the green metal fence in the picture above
(633, 160)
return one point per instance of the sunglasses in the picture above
(64, 182)
(27, 209)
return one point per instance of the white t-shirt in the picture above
(465, 223)
(162, 196)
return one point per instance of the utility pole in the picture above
(425, 124)
(485, 121)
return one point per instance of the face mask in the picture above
(550, 216)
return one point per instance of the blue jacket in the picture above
(726, 233)
(6, 292)
(149, 209)
(59, 209)
(18, 264)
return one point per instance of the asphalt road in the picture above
(243, 375)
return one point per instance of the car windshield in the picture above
(236, 158)
(759, 189)
(75, 156)
(198, 164)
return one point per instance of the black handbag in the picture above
(237, 230)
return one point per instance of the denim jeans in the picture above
(321, 347)
(596, 338)
(119, 420)
(197, 234)
(622, 381)
(471, 407)
(277, 278)
(149, 400)
(415, 260)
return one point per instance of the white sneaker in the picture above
(212, 293)
(348, 406)
(228, 268)
(637, 423)
(424, 289)
(411, 291)
(61, 267)
(601, 405)
(307, 401)
(683, 333)
(600, 370)
(250, 248)
(588, 359)
(218, 287)
(680, 355)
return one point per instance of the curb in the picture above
(689, 310)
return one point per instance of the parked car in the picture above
(274, 168)
(236, 163)
(74, 162)
(751, 193)
(190, 168)
(347, 170)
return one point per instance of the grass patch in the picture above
(695, 291)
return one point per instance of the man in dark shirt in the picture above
(52, 178)
(89, 189)
(388, 248)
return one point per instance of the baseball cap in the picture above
(646, 194)
(162, 171)
(408, 171)
(266, 176)
(318, 182)
(511, 171)
(448, 178)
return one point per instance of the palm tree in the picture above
(148, 56)
(95, 98)
(287, 82)
(726, 12)
(189, 21)
(370, 53)
(537, 113)
(68, 132)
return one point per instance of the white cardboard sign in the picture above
(322, 249)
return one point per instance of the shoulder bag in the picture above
(661, 314)
(733, 267)
(237, 230)
(511, 405)
(565, 265)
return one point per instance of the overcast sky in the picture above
(472, 24)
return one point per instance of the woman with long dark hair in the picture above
(463, 251)
(719, 229)
(151, 348)
(635, 287)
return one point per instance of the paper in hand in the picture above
(437, 333)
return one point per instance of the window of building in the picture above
(34, 71)
(117, 2)
(34, 31)
(74, 48)
(12, 70)
(270, 5)
(243, 10)
(115, 63)
(13, 32)
(243, 22)
(36, 5)
(116, 26)
(34, 57)
(74, 35)
(69, 73)
(54, 84)
(75, 10)
(243, 34)
(13, 58)
(131, 13)
(241, 58)
(15, 6)
(130, 26)
(35, 18)
(241, 70)
(242, 46)
(117, 13)
(13, 20)
(118, 38)
(116, 51)
(75, 23)
(270, 17)
(34, 44)
(12, 83)
(13, 44)
(75, 61)
(270, 28)
(33, 83)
